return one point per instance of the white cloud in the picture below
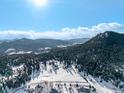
(65, 33)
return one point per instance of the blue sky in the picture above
(19, 15)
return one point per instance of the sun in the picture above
(39, 3)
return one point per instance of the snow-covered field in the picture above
(58, 74)
(55, 76)
(64, 80)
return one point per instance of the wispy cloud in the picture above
(65, 33)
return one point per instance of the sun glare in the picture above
(39, 3)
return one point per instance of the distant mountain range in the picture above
(33, 45)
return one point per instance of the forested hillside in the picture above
(102, 57)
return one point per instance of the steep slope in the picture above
(102, 56)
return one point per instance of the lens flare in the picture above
(39, 3)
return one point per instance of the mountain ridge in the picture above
(25, 44)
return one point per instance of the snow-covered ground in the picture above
(20, 52)
(65, 80)
(57, 77)
(51, 75)
(102, 87)
(16, 69)
(62, 46)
